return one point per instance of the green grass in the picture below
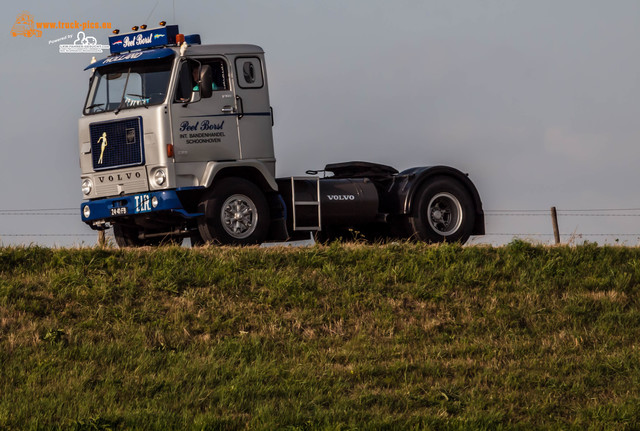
(398, 336)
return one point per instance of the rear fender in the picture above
(400, 195)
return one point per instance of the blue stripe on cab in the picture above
(133, 56)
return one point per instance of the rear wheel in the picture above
(442, 211)
(235, 212)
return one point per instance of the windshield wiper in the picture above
(95, 105)
(124, 90)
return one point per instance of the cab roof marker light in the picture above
(143, 27)
(162, 23)
(116, 31)
(134, 28)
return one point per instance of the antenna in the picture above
(154, 8)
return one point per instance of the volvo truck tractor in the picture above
(176, 142)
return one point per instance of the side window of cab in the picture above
(189, 75)
(220, 74)
(249, 72)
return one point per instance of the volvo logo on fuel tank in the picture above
(341, 197)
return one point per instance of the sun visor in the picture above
(151, 54)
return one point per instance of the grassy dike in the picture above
(399, 336)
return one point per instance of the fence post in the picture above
(101, 238)
(554, 221)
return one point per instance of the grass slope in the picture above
(399, 336)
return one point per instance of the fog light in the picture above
(159, 177)
(86, 211)
(154, 201)
(87, 185)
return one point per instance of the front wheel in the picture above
(235, 212)
(442, 211)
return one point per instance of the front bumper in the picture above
(105, 210)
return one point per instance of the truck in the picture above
(176, 142)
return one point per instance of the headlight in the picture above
(87, 185)
(154, 201)
(159, 177)
(86, 211)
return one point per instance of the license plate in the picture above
(118, 211)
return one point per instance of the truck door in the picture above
(204, 129)
(254, 110)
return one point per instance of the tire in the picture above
(236, 212)
(127, 236)
(442, 211)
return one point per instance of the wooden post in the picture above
(101, 238)
(554, 220)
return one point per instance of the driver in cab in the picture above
(183, 93)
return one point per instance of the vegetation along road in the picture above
(397, 336)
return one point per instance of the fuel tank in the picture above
(343, 202)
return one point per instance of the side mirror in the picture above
(206, 81)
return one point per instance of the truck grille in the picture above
(124, 145)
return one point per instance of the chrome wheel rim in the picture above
(444, 214)
(239, 216)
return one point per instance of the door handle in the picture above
(227, 109)
(241, 106)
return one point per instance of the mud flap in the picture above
(278, 210)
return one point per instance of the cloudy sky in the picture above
(537, 100)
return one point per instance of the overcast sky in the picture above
(537, 100)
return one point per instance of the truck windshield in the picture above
(131, 85)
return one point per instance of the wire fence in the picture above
(533, 213)
(604, 212)
(566, 214)
(40, 212)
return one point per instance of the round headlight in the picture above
(87, 185)
(86, 211)
(159, 177)
(154, 201)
